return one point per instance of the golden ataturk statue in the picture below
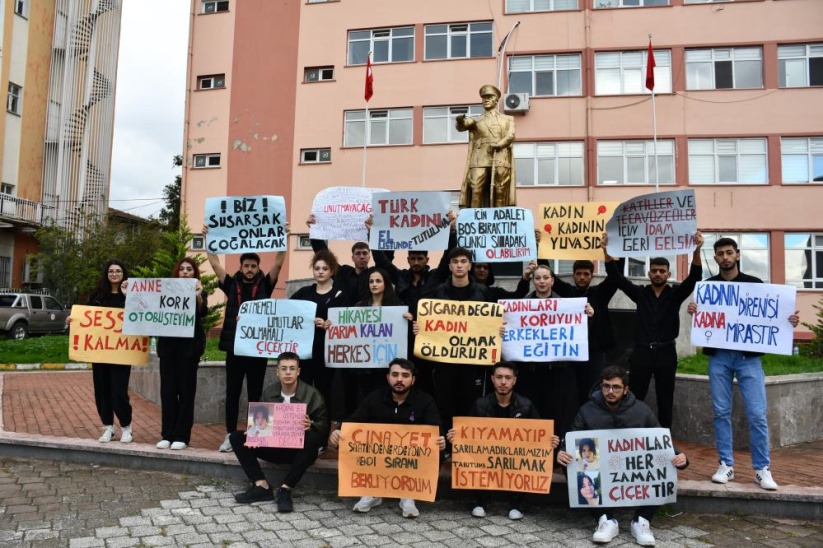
(489, 178)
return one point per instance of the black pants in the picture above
(358, 383)
(111, 392)
(178, 385)
(315, 373)
(660, 363)
(456, 387)
(238, 368)
(300, 459)
(515, 498)
(588, 374)
(645, 512)
(552, 388)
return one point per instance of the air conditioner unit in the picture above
(516, 103)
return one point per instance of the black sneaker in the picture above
(283, 500)
(254, 494)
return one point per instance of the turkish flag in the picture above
(369, 79)
(650, 64)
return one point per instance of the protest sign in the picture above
(96, 335)
(750, 317)
(388, 460)
(340, 213)
(273, 424)
(661, 223)
(242, 224)
(410, 220)
(497, 234)
(502, 454)
(573, 231)
(160, 307)
(366, 336)
(545, 330)
(462, 332)
(267, 327)
(625, 467)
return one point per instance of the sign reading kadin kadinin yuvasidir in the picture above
(661, 223)
(241, 224)
(340, 213)
(625, 467)
(272, 424)
(502, 454)
(573, 231)
(460, 332)
(366, 336)
(160, 307)
(545, 330)
(388, 460)
(410, 220)
(96, 335)
(744, 316)
(497, 234)
(267, 327)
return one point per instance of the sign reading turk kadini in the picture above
(416, 221)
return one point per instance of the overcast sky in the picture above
(151, 93)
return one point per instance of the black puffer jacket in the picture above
(519, 408)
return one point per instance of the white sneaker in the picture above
(178, 445)
(163, 444)
(125, 434)
(515, 514)
(225, 447)
(606, 530)
(479, 512)
(642, 533)
(764, 479)
(724, 473)
(108, 434)
(409, 508)
(367, 503)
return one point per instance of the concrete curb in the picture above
(71, 366)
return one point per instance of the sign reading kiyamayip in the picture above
(161, 307)
(241, 224)
(410, 220)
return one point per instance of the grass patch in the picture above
(212, 353)
(772, 365)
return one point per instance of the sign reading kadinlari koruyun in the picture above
(744, 316)
(340, 213)
(661, 223)
(545, 330)
(410, 220)
(497, 234)
(625, 467)
(267, 327)
(160, 307)
(242, 224)
(366, 336)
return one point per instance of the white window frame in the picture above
(790, 54)
(390, 117)
(630, 68)
(315, 155)
(799, 153)
(748, 244)
(7, 189)
(557, 152)
(631, 151)
(704, 1)
(207, 161)
(213, 6)
(746, 160)
(5, 272)
(455, 31)
(539, 64)
(600, 4)
(800, 259)
(387, 34)
(313, 75)
(444, 120)
(197, 242)
(709, 58)
(211, 81)
(21, 8)
(14, 100)
(528, 6)
(638, 267)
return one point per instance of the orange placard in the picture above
(459, 332)
(95, 335)
(572, 230)
(388, 460)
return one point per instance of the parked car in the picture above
(25, 313)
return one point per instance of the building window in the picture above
(21, 8)
(804, 260)
(214, 6)
(549, 164)
(545, 75)
(6, 188)
(523, 6)
(800, 65)
(458, 41)
(14, 99)
(318, 74)
(5, 272)
(632, 162)
(439, 123)
(213, 81)
(315, 156)
(802, 159)
(202, 161)
(386, 127)
(387, 45)
(724, 68)
(624, 72)
(754, 253)
(629, 3)
(728, 161)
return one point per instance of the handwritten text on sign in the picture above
(497, 234)
(270, 326)
(573, 230)
(628, 467)
(657, 223)
(96, 335)
(285, 426)
(366, 337)
(410, 220)
(502, 454)
(462, 332)
(388, 460)
(240, 224)
(340, 213)
(160, 307)
(545, 330)
(744, 316)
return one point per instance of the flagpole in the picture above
(654, 130)
(367, 129)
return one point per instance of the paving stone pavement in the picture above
(49, 503)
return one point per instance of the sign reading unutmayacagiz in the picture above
(366, 336)
(497, 234)
(460, 332)
(410, 220)
(96, 336)
(267, 327)
(160, 307)
(340, 213)
(573, 231)
(243, 224)
(750, 317)
(545, 330)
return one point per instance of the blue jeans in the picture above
(724, 365)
